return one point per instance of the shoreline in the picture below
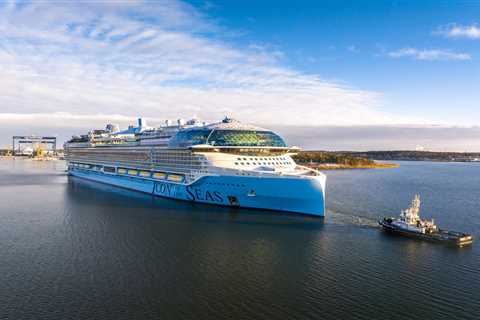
(30, 158)
(336, 166)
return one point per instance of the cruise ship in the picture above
(225, 163)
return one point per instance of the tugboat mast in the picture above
(412, 214)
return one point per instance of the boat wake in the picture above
(343, 218)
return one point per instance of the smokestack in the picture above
(142, 123)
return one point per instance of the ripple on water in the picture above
(76, 249)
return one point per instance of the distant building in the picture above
(31, 145)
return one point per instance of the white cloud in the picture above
(352, 48)
(54, 117)
(428, 54)
(81, 62)
(459, 31)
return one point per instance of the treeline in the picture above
(320, 157)
(417, 155)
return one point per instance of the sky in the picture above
(358, 75)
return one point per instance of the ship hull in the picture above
(298, 195)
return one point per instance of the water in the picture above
(72, 249)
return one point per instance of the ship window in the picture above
(175, 177)
(159, 175)
(236, 163)
(242, 163)
(248, 138)
(248, 163)
(109, 169)
(132, 172)
(191, 137)
(145, 173)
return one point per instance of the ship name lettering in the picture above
(165, 189)
(197, 194)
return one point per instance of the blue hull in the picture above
(299, 195)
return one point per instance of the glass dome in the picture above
(226, 138)
(187, 138)
(245, 138)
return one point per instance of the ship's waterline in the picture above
(225, 163)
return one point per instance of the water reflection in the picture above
(72, 248)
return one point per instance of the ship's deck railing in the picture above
(308, 171)
(182, 162)
(298, 171)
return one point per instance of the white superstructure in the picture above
(410, 219)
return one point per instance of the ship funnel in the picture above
(142, 123)
(192, 121)
(112, 128)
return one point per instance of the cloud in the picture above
(352, 48)
(459, 31)
(80, 62)
(396, 137)
(431, 55)
(60, 118)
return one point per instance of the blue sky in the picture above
(71, 65)
(350, 41)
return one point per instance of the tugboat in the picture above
(411, 225)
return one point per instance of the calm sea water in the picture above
(72, 249)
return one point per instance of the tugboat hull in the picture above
(444, 236)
